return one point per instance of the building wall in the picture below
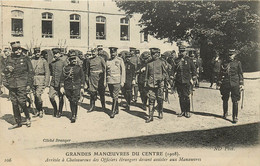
(61, 11)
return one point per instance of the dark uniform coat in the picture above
(56, 68)
(95, 73)
(184, 69)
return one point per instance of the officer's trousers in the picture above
(18, 97)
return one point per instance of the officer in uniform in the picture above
(95, 77)
(134, 60)
(154, 80)
(130, 80)
(56, 67)
(185, 74)
(101, 52)
(19, 79)
(215, 69)
(144, 58)
(231, 81)
(41, 78)
(72, 83)
(115, 78)
(195, 62)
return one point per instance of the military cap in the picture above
(137, 51)
(72, 54)
(55, 50)
(93, 50)
(63, 50)
(181, 48)
(36, 50)
(132, 49)
(15, 44)
(231, 51)
(154, 50)
(113, 49)
(127, 55)
(89, 52)
(6, 49)
(99, 47)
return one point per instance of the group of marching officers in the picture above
(149, 73)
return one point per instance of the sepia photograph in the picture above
(124, 82)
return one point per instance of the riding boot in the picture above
(113, 109)
(103, 102)
(128, 101)
(151, 110)
(92, 103)
(60, 106)
(40, 109)
(160, 109)
(182, 107)
(72, 107)
(117, 107)
(187, 108)
(235, 112)
(225, 109)
(54, 105)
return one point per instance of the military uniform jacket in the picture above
(184, 70)
(135, 61)
(141, 74)
(115, 71)
(22, 73)
(56, 68)
(130, 72)
(41, 72)
(72, 77)
(156, 72)
(231, 74)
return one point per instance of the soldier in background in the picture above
(200, 68)
(56, 67)
(231, 81)
(72, 83)
(195, 62)
(115, 78)
(101, 52)
(154, 81)
(185, 75)
(41, 79)
(135, 61)
(96, 78)
(19, 79)
(215, 69)
(130, 80)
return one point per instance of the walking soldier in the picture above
(144, 58)
(56, 68)
(95, 77)
(72, 83)
(154, 81)
(41, 79)
(136, 62)
(115, 78)
(19, 79)
(130, 80)
(185, 74)
(231, 81)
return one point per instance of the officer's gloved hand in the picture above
(82, 91)
(28, 88)
(62, 90)
(105, 84)
(133, 82)
(242, 88)
(122, 84)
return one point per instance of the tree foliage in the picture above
(217, 25)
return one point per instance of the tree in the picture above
(214, 26)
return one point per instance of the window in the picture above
(144, 37)
(100, 27)
(75, 26)
(124, 29)
(47, 25)
(74, 1)
(17, 23)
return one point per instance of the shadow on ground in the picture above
(233, 136)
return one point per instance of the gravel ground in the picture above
(206, 129)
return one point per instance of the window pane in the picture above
(44, 16)
(17, 27)
(72, 17)
(49, 16)
(146, 37)
(47, 29)
(77, 17)
(74, 30)
(124, 35)
(103, 19)
(100, 31)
